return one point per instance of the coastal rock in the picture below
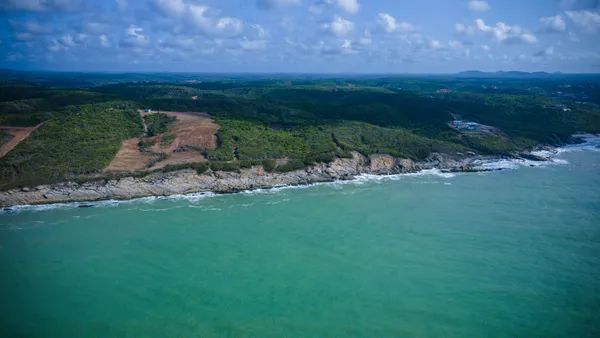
(405, 165)
(188, 181)
(381, 164)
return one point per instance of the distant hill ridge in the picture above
(513, 74)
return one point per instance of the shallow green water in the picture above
(505, 254)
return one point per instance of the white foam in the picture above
(591, 143)
(203, 208)
(544, 153)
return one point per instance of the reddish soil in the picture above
(130, 158)
(18, 133)
(192, 131)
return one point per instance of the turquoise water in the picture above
(504, 254)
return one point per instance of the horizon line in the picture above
(283, 73)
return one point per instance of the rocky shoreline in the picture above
(188, 181)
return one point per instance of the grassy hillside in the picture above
(80, 140)
(305, 119)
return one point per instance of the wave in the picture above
(590, 143)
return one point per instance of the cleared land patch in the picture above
(18, 135)
(183, 142)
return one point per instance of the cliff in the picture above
(188, 181)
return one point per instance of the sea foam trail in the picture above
(590, 143)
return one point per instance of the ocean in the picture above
(512, 253)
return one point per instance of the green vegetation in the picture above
(224, 166)
(269, 165)
(5, 137)
(306, 119)
(146, 144)
(80, 140)
(167, 140)
(290, 166)
(158, 123)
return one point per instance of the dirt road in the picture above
(18, 133)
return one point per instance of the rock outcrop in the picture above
(188, 181)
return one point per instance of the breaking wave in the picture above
(590, 143)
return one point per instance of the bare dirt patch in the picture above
(18, 133)
(191, 133)
(130, 158)
(195, 130)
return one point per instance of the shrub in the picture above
(249, 163)
(146, 144)
(225, 166)
(269, 165)
(167, 140)
(290, 166)
(158, 123)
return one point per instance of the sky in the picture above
(301, 36)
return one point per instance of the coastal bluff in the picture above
(188, 181)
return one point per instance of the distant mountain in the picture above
(509, 74)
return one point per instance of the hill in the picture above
(296, 120)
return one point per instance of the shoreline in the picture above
(187, 181)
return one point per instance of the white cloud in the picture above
(478, 6)
(80, 38)
(338, 27)
(346, 47)
(462, 29)
(520, 39)
(199, 17)
(134, 37)
(339, 47)
(55, 47)
(486, 48)
(179, 46)
(435, 44)
(455, 44)
(258, 32)
(227, 26)
(104, 42)
(350, 6)
(506, 34)
(588, 21)
(389, 24)
(67, 41)
(553, 24)
(366, 39)
(253, 44)
(414, 39)
(170, 8)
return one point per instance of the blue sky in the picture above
(316, 36)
